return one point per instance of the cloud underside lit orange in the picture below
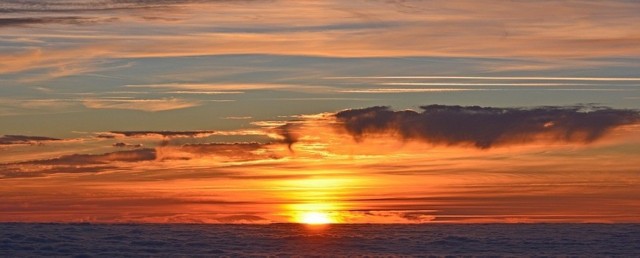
(318, 170)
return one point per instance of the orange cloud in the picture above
(149, 105)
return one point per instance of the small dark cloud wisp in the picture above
(126, 145)
(486, 127)
(288, 134)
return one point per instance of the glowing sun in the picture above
(315, 218)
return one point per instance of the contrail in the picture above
(493, 78)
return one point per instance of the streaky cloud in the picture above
(234, 152)
(486, 127)
(408, 90)
(163, 133)
(24, 139)
(146, 154)
(74, 20)
(515, 78)
(75, 163)
(126, 145)
(18, 6)
(148, 105)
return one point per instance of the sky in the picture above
(366, 111)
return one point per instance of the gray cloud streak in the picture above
(24, 139)
(76, 20)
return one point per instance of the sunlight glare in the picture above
(315, 218)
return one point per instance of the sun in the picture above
(315, 218)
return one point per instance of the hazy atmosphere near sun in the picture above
(271, 111)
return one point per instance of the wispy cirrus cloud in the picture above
(149, 105)
(375, 28)
(226, 88)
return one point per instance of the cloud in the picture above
(485, 127)
(149, 105)
(228, 88)
(237, 117)
(407, 90)
(231, 152)
(578, 30)
(76, 20)
(90, 159)
(127, 145)
(23, 139)
(162, 155)
(179, 134)
(288, 134)
(195, 134)
(16, 6)
(75, 163)
(491, 78)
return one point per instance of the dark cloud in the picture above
(126, 145)
(485, 127)
(23, 139)
(288, 134)
(164, 133)
(8, 22)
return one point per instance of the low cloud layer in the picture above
(486, 127)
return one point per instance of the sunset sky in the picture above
(367, 111)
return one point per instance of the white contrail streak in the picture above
(493, 78)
